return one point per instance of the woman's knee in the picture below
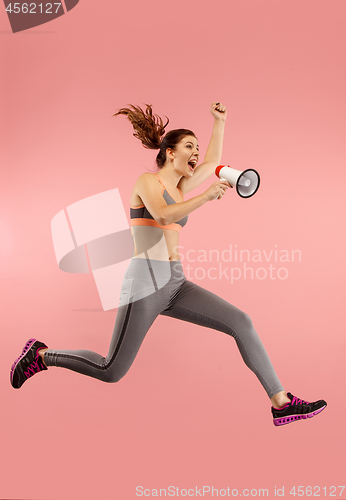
(245, 321)
(111, 377)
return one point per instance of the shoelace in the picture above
(297, 401)
(33, 368)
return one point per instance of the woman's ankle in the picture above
(280, 399)
(41, 353)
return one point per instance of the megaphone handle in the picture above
(221, 179)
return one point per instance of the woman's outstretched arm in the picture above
(213, 155)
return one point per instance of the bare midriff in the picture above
(164, 249)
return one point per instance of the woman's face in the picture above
(186, 155)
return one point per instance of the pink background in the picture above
(189, 413)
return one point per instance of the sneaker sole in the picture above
(27, 346)
(294, 418)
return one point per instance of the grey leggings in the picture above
(153, 287)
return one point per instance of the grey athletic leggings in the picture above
(153, 287)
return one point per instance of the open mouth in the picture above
(192, 164)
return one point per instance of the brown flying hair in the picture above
(149, 129)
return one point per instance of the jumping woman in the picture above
(154, 282)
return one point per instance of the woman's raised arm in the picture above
(213, 155)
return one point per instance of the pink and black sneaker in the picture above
(296, 410)
(28, 363)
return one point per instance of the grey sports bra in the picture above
(140, 216)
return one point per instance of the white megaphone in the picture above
(246, 182)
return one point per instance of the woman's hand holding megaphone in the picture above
(217, 190)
